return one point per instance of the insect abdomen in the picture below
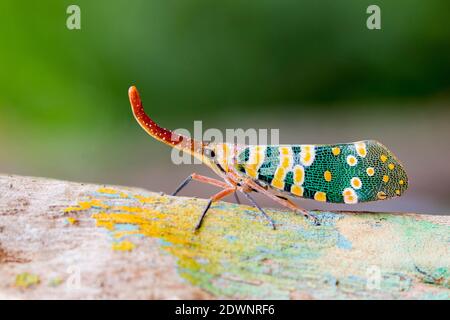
(341, 173)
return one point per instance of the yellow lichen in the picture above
(86, 205)
(151, 199)
(123, 246)
(54, 282)
(72, 220)
(108, 191)
(26, 280)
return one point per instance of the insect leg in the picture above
(272, 223)
(211, 181)
(284, 202)
(237, 198)
(199, 223)
(182, 185)
(203, 179)
(295, 207)
(216, 197)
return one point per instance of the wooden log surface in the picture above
(65, 240)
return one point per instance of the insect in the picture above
(341, 173)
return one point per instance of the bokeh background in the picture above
(309, 68)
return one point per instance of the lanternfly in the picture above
(341, 173)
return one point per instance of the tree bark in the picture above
(65, 240)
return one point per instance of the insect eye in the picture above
(210, 153)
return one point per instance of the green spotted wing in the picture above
(341, 173)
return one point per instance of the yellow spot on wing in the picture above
(251, 170)
(383, 158)
(391, 166)
(351, 160)
(279, 174)
(286, 162)
(385, 179)
(401, 182)
(284, 151)
(307, 155)
(361, 149)
(320, 196)
(350, 196)
(370, 171)
(256, 159)
(336, 151)
(327, 176)
(381, 195)
(397, 192)
(347, 192)
(299, 175)
(297, 190)
(356, 183)
(279, 184)
(278, 179)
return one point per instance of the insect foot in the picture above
(315, 220)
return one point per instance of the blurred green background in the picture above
(310, 68)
